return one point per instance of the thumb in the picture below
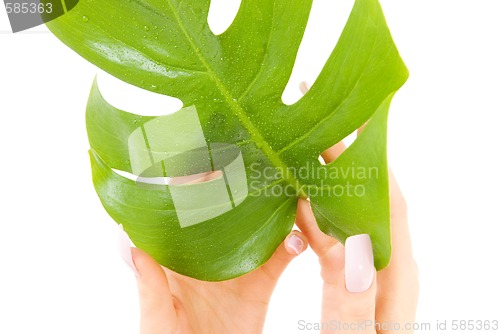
(349, 291)
(158, 314)
(293, 245)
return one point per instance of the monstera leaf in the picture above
(263, 154)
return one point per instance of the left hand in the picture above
(172, 303)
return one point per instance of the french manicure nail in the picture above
(359, 268)
(125, 250)
(295, 243)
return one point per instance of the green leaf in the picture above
(234, 122)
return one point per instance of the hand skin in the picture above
(392, 297)
(171, 303)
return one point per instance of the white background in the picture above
(60, 271)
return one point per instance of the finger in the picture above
(401, 241)
(195, 178)
(291, 247)
(398, 283)
(402, 254)
(333, 152)
(349, 291)
(319, 241)
(158, 314)
(361, 128)
(304, 87)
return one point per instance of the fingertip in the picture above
(125, 249)
(304, 87)
(296, 243)
(293, 245)
(140, 259)
(147, 267)
(350, 280)
(334, 152)
(361, 128)
(359, 265)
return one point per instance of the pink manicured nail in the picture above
(125, 251)
(359, 268)
(295, 243)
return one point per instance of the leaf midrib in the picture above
(239, 111)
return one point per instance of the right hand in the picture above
(388, 297)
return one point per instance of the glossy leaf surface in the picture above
(234, 121)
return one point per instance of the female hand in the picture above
(354, 294)
(171, 303)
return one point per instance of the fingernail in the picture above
(304, 87)
(295, 243)
(125, 250)
(359, 268)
